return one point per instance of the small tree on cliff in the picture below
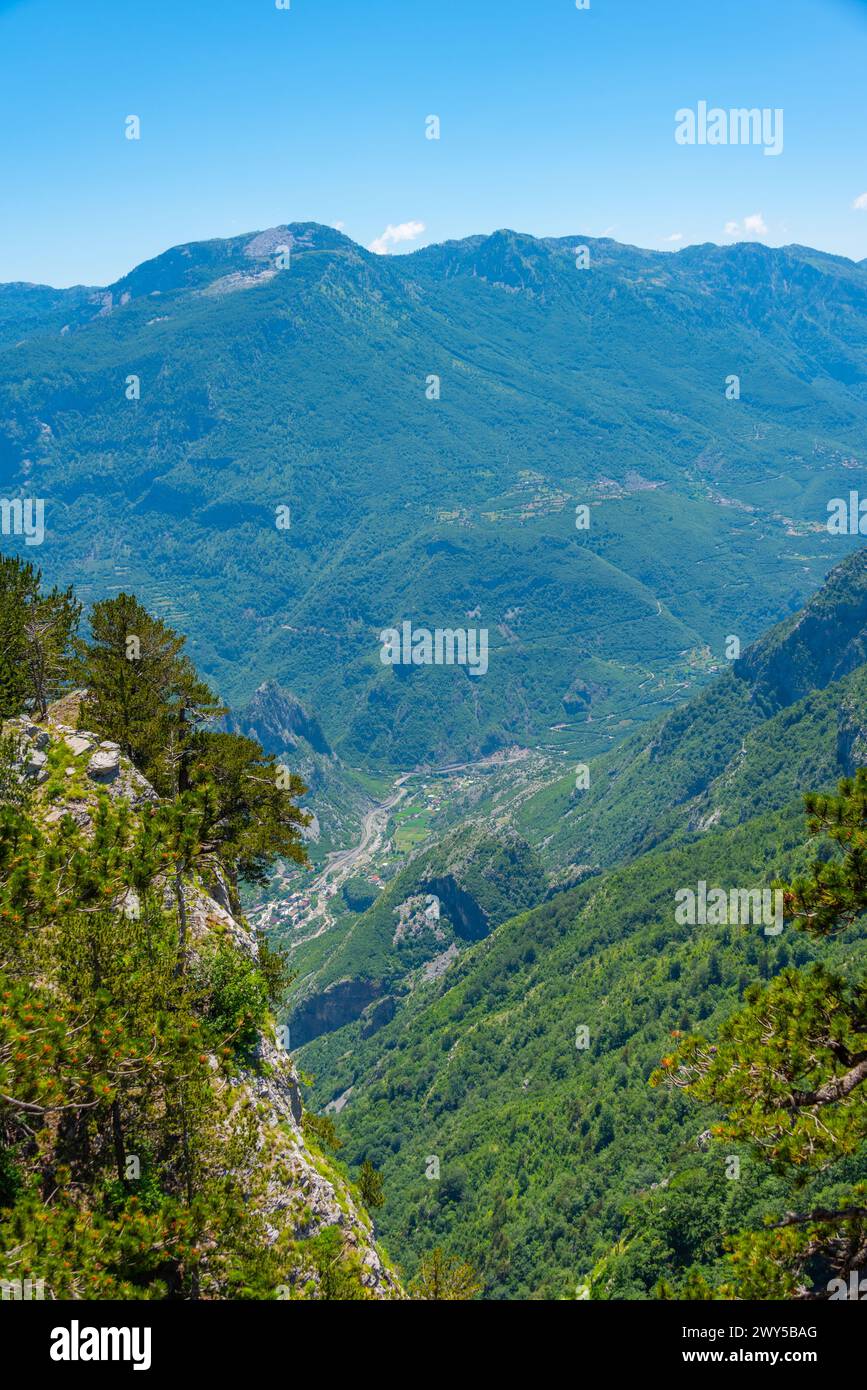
(443, 1277)
(142, 691)
(37, 631)
(370, 1186)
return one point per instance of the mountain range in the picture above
(616, 464)
(285, 445)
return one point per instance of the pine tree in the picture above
(49, 630)
(248, 801)
(16, 587)
(443, 1277)
(142, 691)
(37, 631)
(370, 1186)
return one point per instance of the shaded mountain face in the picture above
(285, 446)
(448, 896)
(824, 642)
(277, 720)
(551, 1151)
(791, 713)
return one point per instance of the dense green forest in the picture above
(561, 1167)
(524, 1072)
(591, 1100)
(152, 1141)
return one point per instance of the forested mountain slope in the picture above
(428, 425)
(550, 1151)
(789, 714)
(448, 896)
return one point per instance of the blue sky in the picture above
(554, 121)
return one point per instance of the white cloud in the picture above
(754, 225)
(861, 202)
(675, 236)
(392, 236)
